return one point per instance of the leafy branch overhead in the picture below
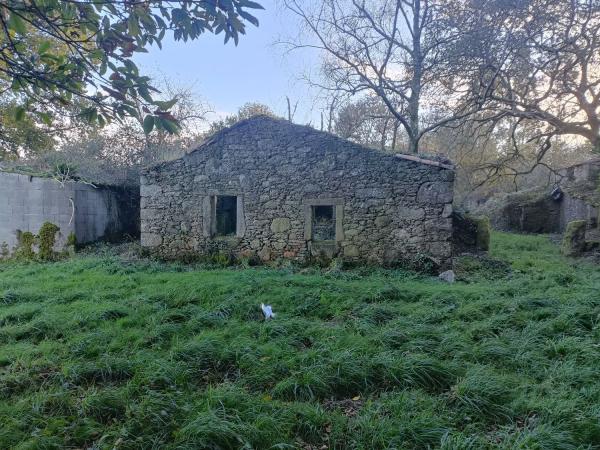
(56, 52)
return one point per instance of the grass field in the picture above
(97, 352)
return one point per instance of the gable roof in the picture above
(268, 120)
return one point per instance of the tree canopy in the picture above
(543, 65)
(529, 68)
(401, 51)
(246, 111)
(56, 52)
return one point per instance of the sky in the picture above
(257, 70)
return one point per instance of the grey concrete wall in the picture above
(27, 202)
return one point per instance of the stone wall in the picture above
(536, 211)
(581, 186)
(26, 202)
(387, 208)
(527, 212)
(573, 208)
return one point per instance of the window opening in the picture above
(323, 223)
(226, 215)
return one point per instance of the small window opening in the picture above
(323, 223)
(226, 215)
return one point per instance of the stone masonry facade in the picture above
(285, 184)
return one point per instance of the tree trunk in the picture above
(330, 119)
(415, 95)
(395, 135)
(384, 134)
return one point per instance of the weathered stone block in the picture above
(150, 190)
(411, 213)
(264, 254)
(448, 276)
(435, 192)
(382, 221)
(351, 251)
(447, 212)
(280, 225)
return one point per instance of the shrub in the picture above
(47, 238)
(71, 239)
(71, 244)
(472, 266)
(25, 243)
(4, 251)
(221, 259)
(421, 263)
(483, 232)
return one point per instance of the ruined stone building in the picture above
(581, 193)
(272, 189)
(574, 195)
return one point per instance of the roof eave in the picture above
(424, 161)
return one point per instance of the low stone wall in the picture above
(26, 202)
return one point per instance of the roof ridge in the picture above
(424, 161)
(283, 122)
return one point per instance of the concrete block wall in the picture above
(26, 202)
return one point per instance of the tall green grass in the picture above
(97, 352)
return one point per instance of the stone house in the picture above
(271, 189)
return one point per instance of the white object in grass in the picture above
(267, 311)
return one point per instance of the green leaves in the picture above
(169, 125)
(248, 4)
(89, 114)
(165, 106)
(44, 47)
(16, 24)
(19, 113)
(148, 124)
(249, 17)
(85, 52)
(132, 25)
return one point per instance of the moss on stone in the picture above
(471, 233)
(573, 243)
(483, 231)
